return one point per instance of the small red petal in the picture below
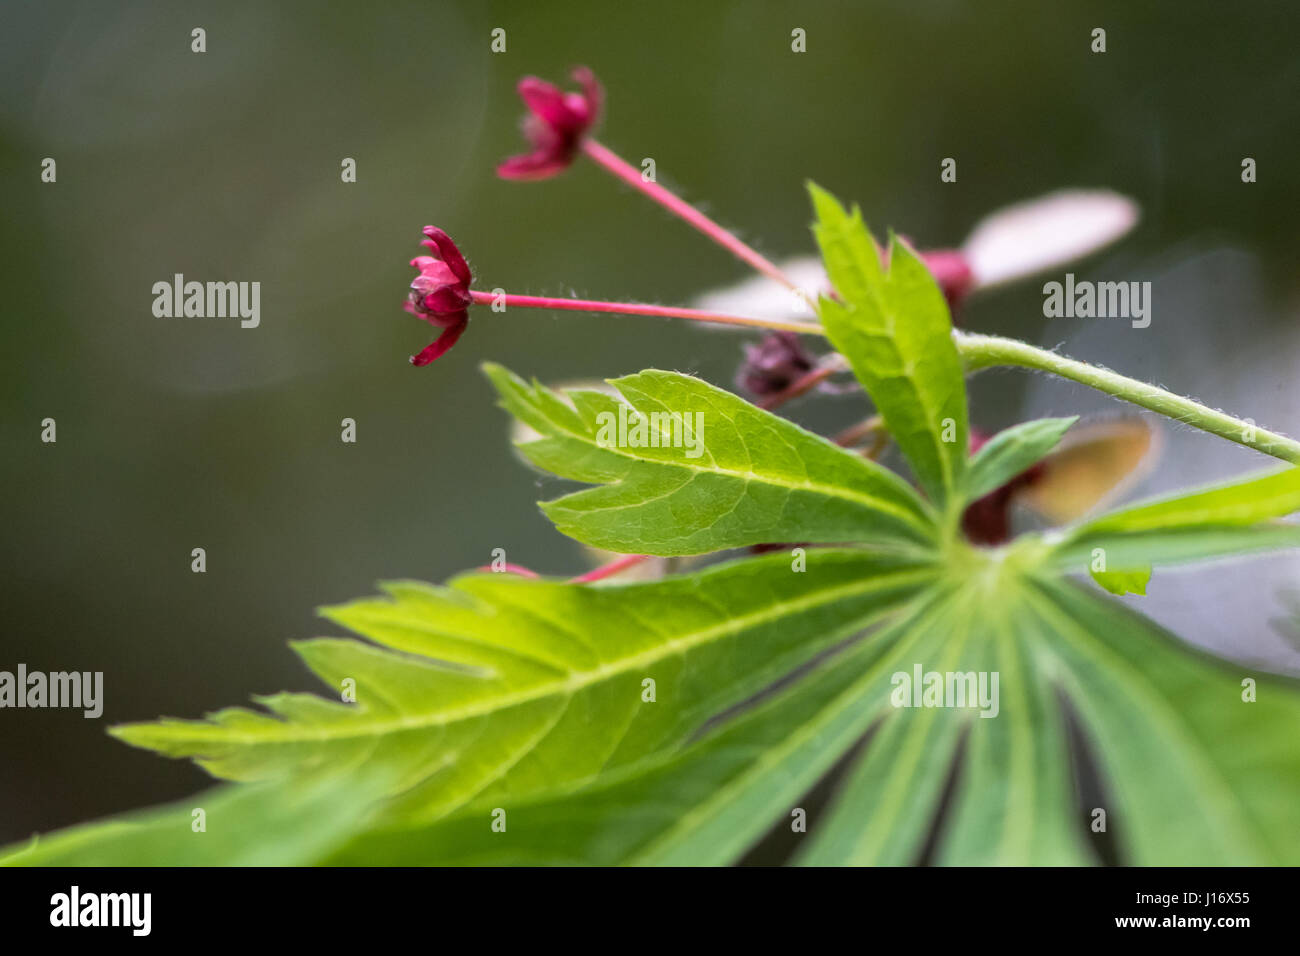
(448, 253)
(545, 101)
(439, 347)
(446, 302)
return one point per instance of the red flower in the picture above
(440, 293)
(555, 126)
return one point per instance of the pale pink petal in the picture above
(1046, 233)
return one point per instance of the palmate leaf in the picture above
(705, 805)
(1015, 802)
(498, 693)
(894, 328)
(498, 686)
(890, 799)
(757, 478)
(1197, 773)
(1191, 773)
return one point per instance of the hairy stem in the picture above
(978, 352)
(987, 351)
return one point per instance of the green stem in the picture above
(986, 351)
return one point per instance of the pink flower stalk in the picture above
(688, 213)
(509, 300)
(440, 293)
(555, 126)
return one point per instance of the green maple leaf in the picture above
(498, 685)
(894, 328)
(757, 478)
(525, 702)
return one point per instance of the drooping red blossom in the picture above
(773, 364)
(555, 125)
(440, 293)
(987, 520)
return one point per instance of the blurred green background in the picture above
(183, 433)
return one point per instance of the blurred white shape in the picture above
(1041, 234)
(766, 298)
